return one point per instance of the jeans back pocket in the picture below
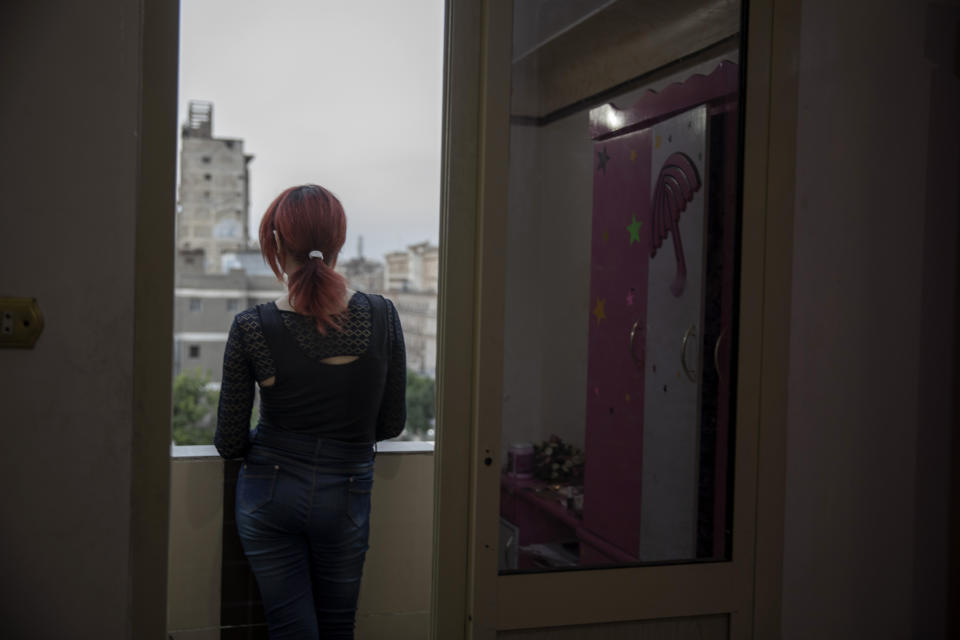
(359, 489)
(255, 485)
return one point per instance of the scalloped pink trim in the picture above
(653, 106)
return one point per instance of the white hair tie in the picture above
(316, 254)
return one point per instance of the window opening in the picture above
(392, 204)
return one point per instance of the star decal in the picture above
(656, 144)
(633, 155)
(627, 397)
(634, 229)
(602, 159)
(600, 310)
(605, 236)
(630, 298)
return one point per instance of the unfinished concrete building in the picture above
(214, 201)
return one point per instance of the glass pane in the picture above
(620, 323)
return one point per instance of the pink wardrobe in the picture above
(662, 331)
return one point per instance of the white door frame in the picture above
(470, 599)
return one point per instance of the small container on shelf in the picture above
(520, 460)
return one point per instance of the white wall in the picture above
(873, 313)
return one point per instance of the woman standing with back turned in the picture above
(332, 376)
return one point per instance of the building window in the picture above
(206, 159)
(207, 176)
(194, 351)
(233, 304)
(196, 304)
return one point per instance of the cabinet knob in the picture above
(690, 332)
(716, 354)
(633, 351)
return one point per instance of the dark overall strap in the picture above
(272, 326)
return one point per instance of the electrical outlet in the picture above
(21, 322)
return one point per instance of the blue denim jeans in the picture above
(303, 514)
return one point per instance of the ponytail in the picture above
(309, 220)
(317, 290)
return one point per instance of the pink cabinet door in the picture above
(661, 299)
(620, 259)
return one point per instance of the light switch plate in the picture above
(21, 322)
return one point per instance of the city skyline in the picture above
(284, 81)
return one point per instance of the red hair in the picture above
(308, 218)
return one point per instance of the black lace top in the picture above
(344, 402)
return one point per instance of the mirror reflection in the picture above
(621, 291)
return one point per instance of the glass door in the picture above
(617, 280)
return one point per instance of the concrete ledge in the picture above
(395, 591)
(388, 447)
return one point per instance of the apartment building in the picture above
(418, 317)
(204, 307)
(411, 278)
(362, 274)
(415, 268)
(214, 201)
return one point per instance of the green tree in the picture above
(421, 399)
(194, 409)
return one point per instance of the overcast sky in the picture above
(346, 94)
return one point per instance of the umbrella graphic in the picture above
(676, 185)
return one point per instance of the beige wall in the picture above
(196, 545)
(83, 463)
(873, 322)
(395, 594)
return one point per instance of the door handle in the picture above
(633, 352)
(716, 354)
(691, 331)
